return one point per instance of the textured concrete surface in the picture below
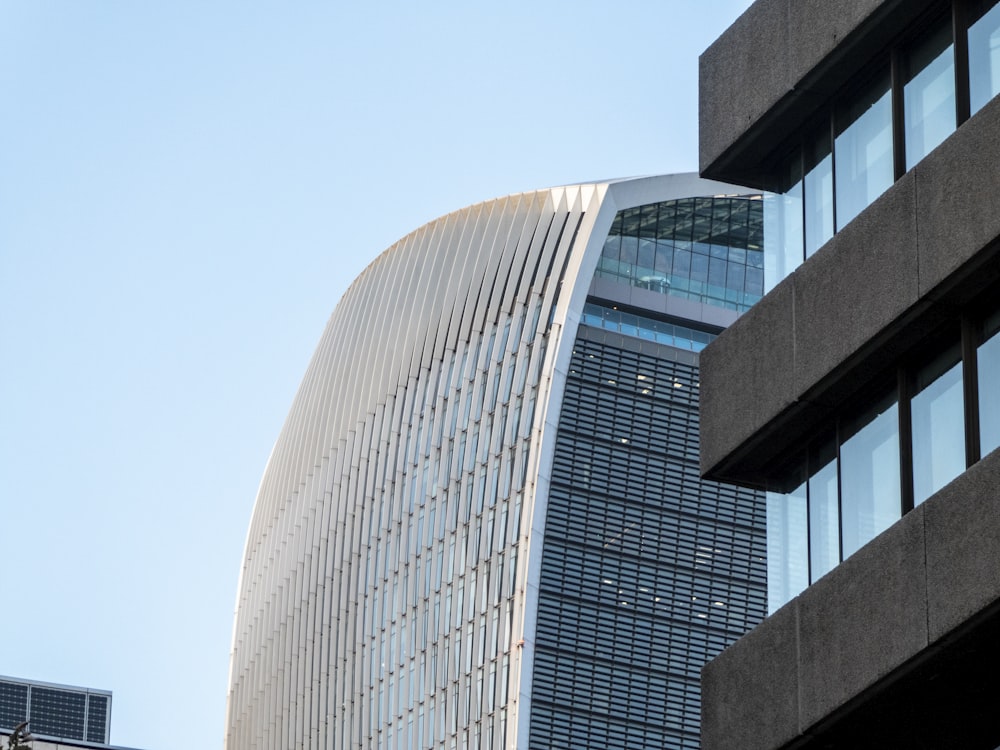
(760, 358)
(862, 620)
(912, 257)
(925, 589)
(817, 27)
(958, 197)
(963, 546)
(769, 71)
(742, 75)
(735, 714)
(869, 266)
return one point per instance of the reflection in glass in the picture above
(938, 422)
(989, 388)
(929, 94)
(690, 248)
(664, 257)
(869, 470)
(984, 54)
(783, 228)
(818, 195)
(787, 549)
(863, 150)
(824, 525)
(639, 326)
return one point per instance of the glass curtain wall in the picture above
(647, 571)
(707, 249)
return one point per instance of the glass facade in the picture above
(988, 370)
(784, 227)
(842, 491)
(864, 149)
(929, 93)
(705, 249)
(610, 318)
(387, 599)
(647, 571)
(787, 545)
(984, 53)
(819, 188)
(937, 419)
(869, 475)
(824, 510)
(55, 711)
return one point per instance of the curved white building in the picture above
(482, 524)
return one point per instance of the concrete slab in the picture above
(963, 547)
(750, 692)
(863, 620)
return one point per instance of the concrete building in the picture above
(482, 525)
(870, 407)
(57, 712)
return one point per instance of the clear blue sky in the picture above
(186, 189)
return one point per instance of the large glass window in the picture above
(938, 424)
(818, 194)
(787, 548)
(870, 487)
(824, 520)
(848, 489)
(988, 362)
(863, 148)
(984, 53)
(929, 94)
(783, 228)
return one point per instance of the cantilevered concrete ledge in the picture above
(877, 289)
(852, 650)
(770, 69)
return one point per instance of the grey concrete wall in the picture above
(774, 65)
(849, 311)
(859, 625)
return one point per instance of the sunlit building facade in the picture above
(872, 367)
(482, 525)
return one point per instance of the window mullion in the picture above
(970, 387)
(904, 392)
(898, 115)
(833, 167)
(960, 40)
(840, 491)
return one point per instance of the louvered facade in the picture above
(400, 588)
